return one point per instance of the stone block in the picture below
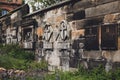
(14, 41)
(63, 45)
(79, 24)
(28, 45)
(40, 31)
(69, 17)
(77, 33)
(93, 21)
(65, 63)
(14, 16)
(92, 55)
(47, 45)
(103, 9)
(104, 1)
(82, 5)
(114, 56)
(60, 18)
(111, 18)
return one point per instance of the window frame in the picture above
(92, 39)
(110, 33)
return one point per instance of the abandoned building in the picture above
(69, 33)
(8, 5)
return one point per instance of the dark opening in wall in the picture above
(29, 22)
(79, 15)
(17, 24)
(25, 10)
(94, 21)
(109, 37)
(0, 24)
(27, 33)
(91, 38)
(8, 21)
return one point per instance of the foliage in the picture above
(97, 73)
(16, 52)
(39, 66)
(38, 4)
(48, 2)
(12, 63)
(12, 56)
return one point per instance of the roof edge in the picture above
(9, 13)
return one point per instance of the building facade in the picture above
(72, 32)
(8, 5)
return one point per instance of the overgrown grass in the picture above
(17, 52)
(82, 74)
(13, 56)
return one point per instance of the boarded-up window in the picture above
(91, 38)
(109, 38)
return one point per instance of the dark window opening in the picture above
(27, 33)
(79, 15)
(94, 21)
(8, 21)
(25, 10)
(109, 38)
(91, 38)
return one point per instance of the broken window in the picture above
(91, 38)
(109, 37)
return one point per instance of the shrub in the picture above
(39, 65)
(9, 62)
(12, 56)
(17, 52)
